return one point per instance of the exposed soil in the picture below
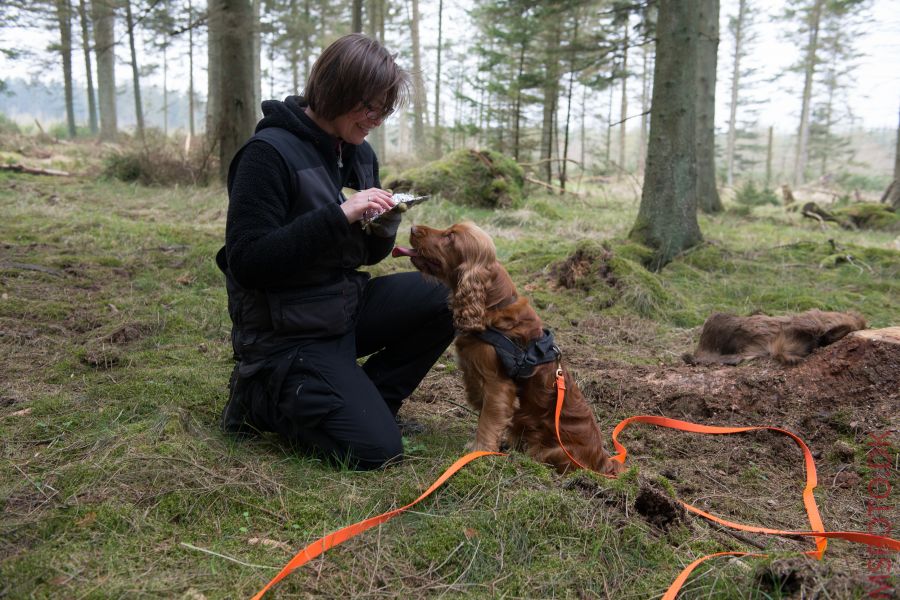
(834, 399)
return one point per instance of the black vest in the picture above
(326, 301)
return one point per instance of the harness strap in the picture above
(519, 362)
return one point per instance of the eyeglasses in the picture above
(376, 114)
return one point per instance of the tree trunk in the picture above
(517, 101)
(103, 15)
(191, 69)
(256, 34)
(583, 128)
(892, 194)
(623, 112)
(802, 154)
(551, 93)
(378, 138)
(735, 86)
(89, 75)
(438, 131)
(213, 72)
(667, 217)
(135, 72)
(64, 18)
(165, 59)
(609, 125)
(769, 146)
(565, 155)
(419, 102)
(294, 48)
(645, 108)
(357, 15)
(707, 193)
(228, 20)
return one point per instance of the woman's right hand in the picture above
(374, 199)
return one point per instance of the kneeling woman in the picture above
(302, 312)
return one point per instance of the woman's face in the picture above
(354, 126)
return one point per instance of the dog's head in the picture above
(464, 258)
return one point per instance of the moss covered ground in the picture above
(114, 361)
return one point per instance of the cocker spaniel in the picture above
(512, 384)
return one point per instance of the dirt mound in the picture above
(658, 508)
(612, 272)
(585, 267)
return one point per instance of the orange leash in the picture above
(818, 530)
(812, 511)
(342, 535)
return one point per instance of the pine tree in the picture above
(667, 217)
(707, 194)
(104, 18)
(741, 140)
(840, 30)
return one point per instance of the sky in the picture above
(874, 97)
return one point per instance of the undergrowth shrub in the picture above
(60, 131)
(160, 160)
(749, 195)
(866, 182)
(8, 126)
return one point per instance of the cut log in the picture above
(888, 335)
(34, 171)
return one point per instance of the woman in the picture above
(302, 312)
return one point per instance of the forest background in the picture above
(580, 88)
(595, 184)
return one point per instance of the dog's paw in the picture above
(612, 467)
(474, 446)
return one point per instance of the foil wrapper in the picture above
(403, 202)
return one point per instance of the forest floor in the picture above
(115, 355)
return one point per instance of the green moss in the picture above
(606, 273)
(477, 178)
(870, 215)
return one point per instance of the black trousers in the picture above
(331, 405)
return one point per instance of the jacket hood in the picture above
(289, 115)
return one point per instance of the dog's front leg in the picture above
(498, 404)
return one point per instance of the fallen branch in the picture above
(551, 187)
(546, 160)
(812, 210)
(33, 171)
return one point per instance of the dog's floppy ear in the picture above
(468, 304)
(473, 275)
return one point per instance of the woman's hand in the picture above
(373, 199)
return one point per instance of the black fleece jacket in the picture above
(268, 245)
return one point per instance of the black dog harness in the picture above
(519, 362)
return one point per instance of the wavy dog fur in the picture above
(482, 295)
(729, 339)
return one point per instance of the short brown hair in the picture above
(354, 69)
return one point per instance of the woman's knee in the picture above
(376, 454)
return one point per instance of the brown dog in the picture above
(483, 297)
(729, 339)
